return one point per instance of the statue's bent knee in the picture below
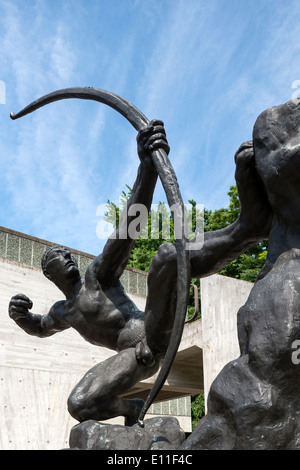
(144, 354)
(75, 407)
(165, 257)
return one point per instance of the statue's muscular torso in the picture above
(104, 316)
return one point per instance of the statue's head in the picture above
(276, 140)
(59, 265)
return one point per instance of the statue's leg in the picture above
(96, 395)
(161, 300)
(162, 295)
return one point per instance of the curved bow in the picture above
(171, 188)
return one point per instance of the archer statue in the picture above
(97, 306)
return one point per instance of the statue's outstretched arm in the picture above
(134, 217)
(220, 247)
(35, 324)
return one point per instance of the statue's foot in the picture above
(144, 354)
(136, 405)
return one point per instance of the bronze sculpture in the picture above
(98, 308)
(164, 168)
(253, 403)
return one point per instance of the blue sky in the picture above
(206, 68)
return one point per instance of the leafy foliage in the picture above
(247, 265)
(197, 408)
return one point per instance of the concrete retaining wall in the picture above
(221, 298)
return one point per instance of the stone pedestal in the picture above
(162, 433)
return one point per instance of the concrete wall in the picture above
(16, 246)
(37, 374)
(221, 298)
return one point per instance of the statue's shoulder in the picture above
(91, 279)
(58, 309)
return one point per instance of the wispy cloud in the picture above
(46, 176)
(206, 68)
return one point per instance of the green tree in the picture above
(152, 236)
(247, 265)
(197, 408)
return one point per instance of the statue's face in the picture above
(60, 264)
(276, 140)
